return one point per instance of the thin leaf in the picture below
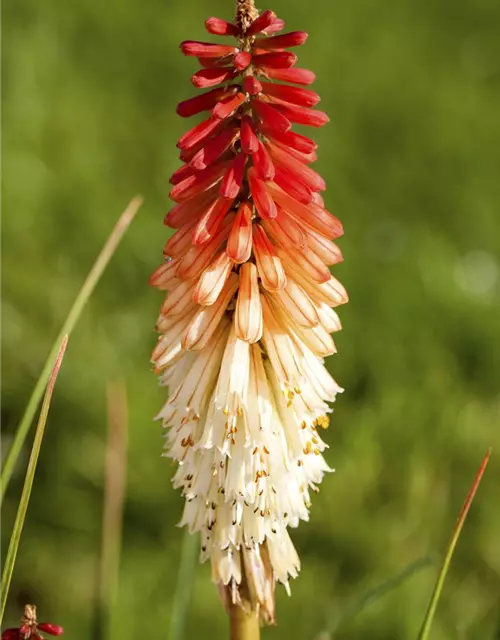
(426, 627)
(28, 482)
(85, 292)
(184, 588)
(375, 593)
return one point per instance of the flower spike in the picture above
(30, 628)
(246, 324)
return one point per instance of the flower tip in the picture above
(218, 27)
(179, 110)
(339, 230)
(275, 27)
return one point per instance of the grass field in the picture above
(412, 158)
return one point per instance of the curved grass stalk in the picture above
(431, 610)
(28, 482)
(84, 294)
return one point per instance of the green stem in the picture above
(72, 318)
(243, 625)
(28, 482)
(426, 627)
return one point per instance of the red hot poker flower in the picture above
(247, 321)
(30, 628)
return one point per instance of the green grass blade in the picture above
(426, 627)
(184, 589)
(84, 294)
(375, 593)
(28, 482)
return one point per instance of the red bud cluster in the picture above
(30, 629)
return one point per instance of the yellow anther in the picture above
(322, 421)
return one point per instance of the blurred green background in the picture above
(412, 160)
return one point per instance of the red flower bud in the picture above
(299, 76)
(204, 101)
(264, 21)
(228, 106)
(210, 77)
(262, 199)
(206, 49)
(291, 139)
(271, 117)
(301, 115)
(51, 629)
(249, 139)
(252, 85)
(263, 164)
(295, 95)
(277, 25)
(242, 59)
(233, 178)
(293, 39)
(26, 629)
(275, 60)
(220, 27)
(199, 133)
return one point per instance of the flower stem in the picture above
(246, 13)
(244, 626)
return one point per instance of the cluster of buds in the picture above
(30, 629)
(246, 324)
